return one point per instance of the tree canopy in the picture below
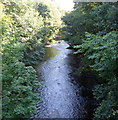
(92, 29)
(26, 27)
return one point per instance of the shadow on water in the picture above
(61, 92)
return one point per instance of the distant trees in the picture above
(24, 34)
(90, 17)
(92, 29)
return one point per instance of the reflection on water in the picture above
(59, 93)
(51, 52)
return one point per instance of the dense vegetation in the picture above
(92, 29)
(26, 28)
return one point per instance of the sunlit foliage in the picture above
(24, 34)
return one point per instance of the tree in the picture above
(92, 29)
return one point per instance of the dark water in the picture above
(59, 93)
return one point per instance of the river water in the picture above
(59, 93)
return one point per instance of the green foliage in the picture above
(95, 18)
(105, 18)
(18, 81)
(43, 11)
(33, 56)
(52, 19)
(101, 55)
(24, 34)
(76, 23)
(99, 49)
(92, 27)
(107, 93)
(18, 98)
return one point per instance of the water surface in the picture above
(59, 93)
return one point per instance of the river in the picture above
(60, 91)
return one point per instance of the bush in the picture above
(102, 57)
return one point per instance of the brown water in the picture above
(60, 91)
